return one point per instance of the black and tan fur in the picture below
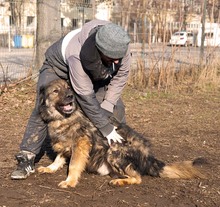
(73, 136)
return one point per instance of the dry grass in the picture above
(165, 75)
(209, 76)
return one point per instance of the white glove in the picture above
(114, 136)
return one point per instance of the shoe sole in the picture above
(21, 177)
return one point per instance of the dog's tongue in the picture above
(67, 107)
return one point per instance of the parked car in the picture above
(182, 38)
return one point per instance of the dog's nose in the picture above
(69, 95)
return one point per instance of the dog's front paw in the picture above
(66, 184)
(42, 169)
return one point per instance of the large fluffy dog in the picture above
(73, 136)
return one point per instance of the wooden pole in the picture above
(203, 31)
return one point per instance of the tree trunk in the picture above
(48, 28)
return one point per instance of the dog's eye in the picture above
(56, 91)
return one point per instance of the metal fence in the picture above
(16, 59)
(17, 44)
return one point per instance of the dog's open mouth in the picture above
(68, 108)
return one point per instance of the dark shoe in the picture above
(24, 168)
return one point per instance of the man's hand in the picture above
(114, 136)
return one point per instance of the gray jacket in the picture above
(76, 56)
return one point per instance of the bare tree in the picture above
(48, 27)
(16, 8)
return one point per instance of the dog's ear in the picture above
(42, 108)
(42, 96)
(42, 103)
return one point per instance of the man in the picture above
(96, 61)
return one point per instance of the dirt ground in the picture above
(180, 127)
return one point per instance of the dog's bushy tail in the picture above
(183, 170)
(178, 170)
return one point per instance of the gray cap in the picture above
(112, 41)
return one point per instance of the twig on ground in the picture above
(61, 190)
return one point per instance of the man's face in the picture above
(107, 61)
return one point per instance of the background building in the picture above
(149, 21)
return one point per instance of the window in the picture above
(179, 34)
(209, 35)
(30, 20)
(12, 20)
(75, 23)
(62, 22)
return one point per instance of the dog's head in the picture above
(56, 100)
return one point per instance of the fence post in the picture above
(9, 35)
(203, 31)
(135, 33)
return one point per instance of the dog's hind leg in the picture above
(78, 161)
(132, 177)
(52, 168)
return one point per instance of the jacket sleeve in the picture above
(86, 97)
